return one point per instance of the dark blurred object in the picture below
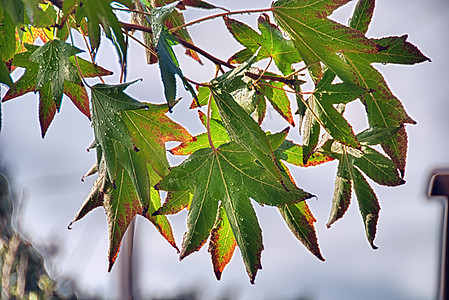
(439, 187)
(22, 271)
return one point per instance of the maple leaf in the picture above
(229, 175)
(74, 90)
(55, 67)
(130, 192)
(271, 42)
(275, 93)
(375, 165)
(318, 38)
(383, 108)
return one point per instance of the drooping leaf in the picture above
(318, 38)
(55, 67)
(375, 165)
(100, 13)
(74, 90)
(310, 131)
(368, 205)
(383, 108)
(342, 191)
(176, 19)
(300, 220)
(230, 175)
(271, 42)
(169, 67)
(130, 190)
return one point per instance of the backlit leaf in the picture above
(322, 39)
(230, 175)
(271, 42)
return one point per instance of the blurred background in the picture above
(44, 177)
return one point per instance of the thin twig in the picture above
(215, 60)
(76, 59)
(139, 42)
(88, 50)
(238, 12)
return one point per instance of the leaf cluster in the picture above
(235, 163)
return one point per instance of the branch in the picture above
(217, 61)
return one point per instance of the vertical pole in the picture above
(439, 187)
(126, 276)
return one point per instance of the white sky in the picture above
(404, 266)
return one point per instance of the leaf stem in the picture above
(209, 109)
(238, 12)
(76, 58)
(139, 42)
(88, 50)
(209, 136)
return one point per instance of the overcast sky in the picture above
(404, 266)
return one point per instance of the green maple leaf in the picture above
(318, 38)
(55, 67)
(383, 108)
(230, 175)
(240, 126)
(47, 106)
(271, 42)
(130, 192)
(375, 165)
